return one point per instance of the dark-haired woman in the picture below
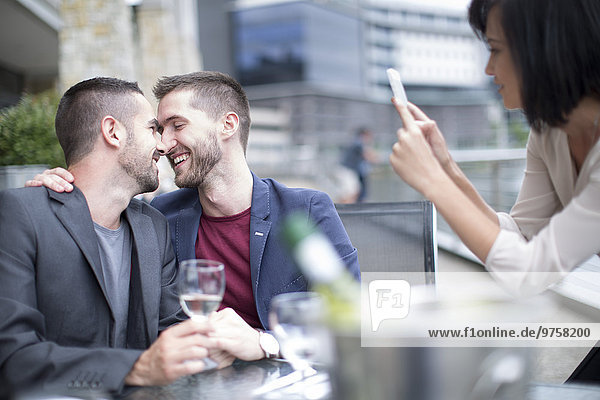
(545, 59)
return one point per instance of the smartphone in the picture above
(397, 87)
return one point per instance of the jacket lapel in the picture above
(186, 229)
(259, 228)
(145, 273)
(72, 211)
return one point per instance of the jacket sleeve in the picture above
(323, 213)
(27, 360)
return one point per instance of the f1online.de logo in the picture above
(388, 299)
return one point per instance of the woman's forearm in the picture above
(465, 185)
(470, 222)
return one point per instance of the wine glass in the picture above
(201, 290)
(298, 324)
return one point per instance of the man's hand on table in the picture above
(230, 333)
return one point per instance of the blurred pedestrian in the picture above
(359, 156)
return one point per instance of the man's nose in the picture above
(166, 142)
(489, 67)
(161, 148)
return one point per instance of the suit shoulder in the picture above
(30, 197)
(284, 199)
(25, 192)
(284, 190)
(31, 203)
(175, 200)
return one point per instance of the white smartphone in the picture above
(397, 87)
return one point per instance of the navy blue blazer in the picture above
(272, 269)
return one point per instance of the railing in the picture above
(496, 173)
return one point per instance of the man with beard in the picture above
(88, 276)
(225, 212)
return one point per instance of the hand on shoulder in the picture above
(57, 179)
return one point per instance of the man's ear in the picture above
(231, 123)
(113, 132)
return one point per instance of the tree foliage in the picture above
(27, 134)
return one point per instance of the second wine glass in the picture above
(297, 320)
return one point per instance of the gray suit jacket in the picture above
(55, 319)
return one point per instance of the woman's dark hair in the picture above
(555, 45)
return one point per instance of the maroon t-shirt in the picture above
(227, 239)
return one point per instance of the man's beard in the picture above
(135, 166)
(202, 162)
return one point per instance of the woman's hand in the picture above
(416, 158)
(413, 158)
(432, 134)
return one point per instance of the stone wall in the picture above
(142, 42)
(168, 42)
(96, 39)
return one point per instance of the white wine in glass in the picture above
(201, 290)
(201, 287)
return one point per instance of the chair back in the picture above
(394, 237)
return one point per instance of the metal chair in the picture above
(394, 237)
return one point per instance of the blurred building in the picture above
(320, 63)
(56, 43)
(323, 62)
(28, 47)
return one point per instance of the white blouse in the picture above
(555, 223)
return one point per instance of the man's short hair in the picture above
(555, 46)
(215, 93)
(83, 107)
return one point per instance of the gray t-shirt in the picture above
(115, 255)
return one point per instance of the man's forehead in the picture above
(169, 110)
(176, 96)
(172, 103)
(144, 107)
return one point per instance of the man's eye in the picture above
(178, 126)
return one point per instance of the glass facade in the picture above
(268, 44)
(296, 42)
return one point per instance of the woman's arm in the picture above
(416, 161)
